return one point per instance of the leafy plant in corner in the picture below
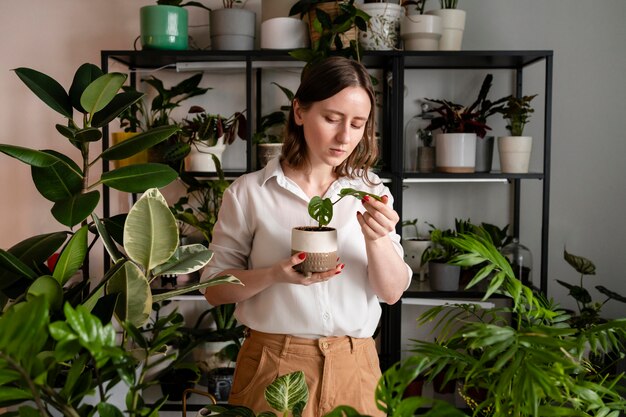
(271, 125)
(517, 111)
(321, 209)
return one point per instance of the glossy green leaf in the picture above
(112, 110)
(185, 260)
(226, 279)
(108, 243)
(581, 264)
(23, 330)
(108, 410)
(29, 156)
(150, 232)
(138, 143)
(286, 391)
(11, 263)
(321, 210)
(47, 89)
(66, 131)
(90, 134)
(75, 209)
(135, 301)
(13, 394)
(102, 91)
(85, 75)
(48, 287)
(139, 178)
(115, 226)
(60, 181)
(72, 256)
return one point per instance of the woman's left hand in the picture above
(378, 219)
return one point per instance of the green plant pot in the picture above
(164, 27)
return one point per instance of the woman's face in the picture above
(335, 126)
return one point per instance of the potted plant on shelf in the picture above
(459, 126)
(414, 246)
(269, 135)
(165, 25)
(419, 31)
(442, 274)
(522, 359)
(383, 27)
(452, 25)
(333, 28)
(320, 242)
(515, 150)
(232, 28)
(207, 135)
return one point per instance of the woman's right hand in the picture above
(286, 273)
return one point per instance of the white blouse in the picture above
(258, 211)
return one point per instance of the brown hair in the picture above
(319, 82)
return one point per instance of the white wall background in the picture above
(588, 140)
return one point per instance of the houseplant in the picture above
(419, 31)
(452, 25)
(165, 25)
(320, 242)
(207, 135)
(532, 365)
(414, 246)
(269, 134)
(232, 28)
(459, 126)
(383, 26)
(515, 150)
(442, 274)
(333, 27)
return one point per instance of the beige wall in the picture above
(589, 144)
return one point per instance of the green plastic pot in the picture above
(164, 27)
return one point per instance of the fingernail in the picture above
(342, 266)
(302, 255)
(366, 198)
(338, 272)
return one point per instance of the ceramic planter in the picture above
(453, 26)
(383, 27)
(425, 159)
(164, 27)
(320, 245)
(232, 29)
(484, 154)
(514, 153)
(456, 152)
(443, 277)
(284, 33)
(420, 32)
(200, 159)
(413, 250)
(267, 151)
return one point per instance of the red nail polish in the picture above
(342, 266)
(366, 198)
(302, 255)
(338, 272)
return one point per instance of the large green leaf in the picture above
(135, 301)
(75, 209)
(23, 330)
(89, 134)
(29, 156)
(32, 252)
(13, 264)
(139, 178)
(112, 110)
(226, 279)
(138, 143)
(59, 181)
(581, 264)
(72, 256)
(85, 75)
(101, 91)
(185, 260)
(150, 232)
(287, 391)
(108, 243)
(47, 89)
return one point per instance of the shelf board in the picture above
(472, 59)
(493, 176)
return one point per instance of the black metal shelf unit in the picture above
(393, 65)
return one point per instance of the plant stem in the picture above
(31, 385)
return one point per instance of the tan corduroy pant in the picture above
(338, 371)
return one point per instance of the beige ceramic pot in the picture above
(320, 245)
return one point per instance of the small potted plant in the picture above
(165, 25)
(333, 28)
(442, 274)
(383, 27)
(414, 246)
(207, 136)
(269, 136)
(515, 150)
(419, 31)
(320, 242)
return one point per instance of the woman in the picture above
(321, 323)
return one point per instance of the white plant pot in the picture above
(320, 247)
(453, 26)
(420, 32)
(514, 153)
(200, 159)
(284, 33)
(383, 28)
(455, 152)
(413, 250)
